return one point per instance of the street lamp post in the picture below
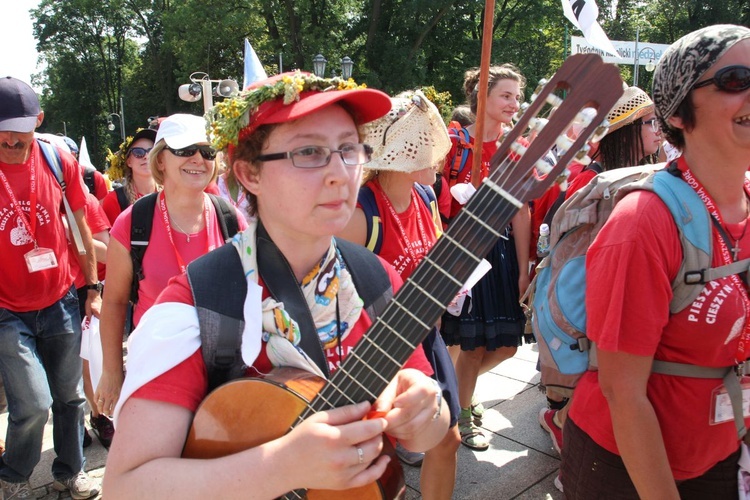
(319, 67)
(346, 67)
(647, 52)
(200, 86)
(111, 124)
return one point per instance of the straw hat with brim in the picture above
(411, 137)
(287, 97)
(634, 104)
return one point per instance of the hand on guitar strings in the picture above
(414, 410)
(324, 450)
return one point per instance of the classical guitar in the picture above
(248, 412)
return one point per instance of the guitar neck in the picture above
(516, 177)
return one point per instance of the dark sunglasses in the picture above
(729, 79)
(139, 153)
(207, 152)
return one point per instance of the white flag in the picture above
(253, 68)
(83, 155)
(583, 14)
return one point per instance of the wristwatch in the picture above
(99, 286)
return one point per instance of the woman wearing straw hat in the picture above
(633, 433)
(396, 203)
(293, 142)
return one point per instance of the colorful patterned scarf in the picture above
(327, 284)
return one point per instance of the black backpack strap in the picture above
(219, 288)
(283, 286)
(366, 200)
(142, 218)
(88, 179)
(226, 216)
(370, 278)
(552, 210)
(122, 197)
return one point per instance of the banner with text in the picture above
(626, 50)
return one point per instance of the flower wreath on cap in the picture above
(118, 160)
(229, 120)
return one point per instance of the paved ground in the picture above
(520, 463)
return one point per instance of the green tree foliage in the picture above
(141, 50)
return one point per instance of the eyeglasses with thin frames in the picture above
(654, 124)
(731, 79)
(352, 154)
(207, 152)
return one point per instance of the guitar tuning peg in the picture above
(538, 89)
(554, 101)
(600, 132)
(521, 110)
(518, 148)
(582, 156)
(543, 167)
(563, 143)
(537, 124)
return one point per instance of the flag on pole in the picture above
(83, 155)
(253, 68)
(583, 14)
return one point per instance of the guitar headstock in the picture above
(591, 89)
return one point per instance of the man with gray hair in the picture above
(40, 326)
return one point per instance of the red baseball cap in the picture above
(365, 104)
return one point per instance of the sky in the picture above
(19, 55)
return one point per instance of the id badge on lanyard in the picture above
(721, 404)
(40, 259)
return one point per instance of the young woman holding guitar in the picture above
(294, 145)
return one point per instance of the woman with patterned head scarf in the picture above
(636, 429)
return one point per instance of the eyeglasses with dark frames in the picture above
(731, 79)
(139, 153)
(207, 152)
(352, 154)
(654, 124)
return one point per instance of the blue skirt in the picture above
(496, 318)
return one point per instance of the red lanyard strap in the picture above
(168, 228)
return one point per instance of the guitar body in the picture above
(248, 412)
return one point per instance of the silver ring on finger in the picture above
(360, 455)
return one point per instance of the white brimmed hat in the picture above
(411, 137)
(182, 130)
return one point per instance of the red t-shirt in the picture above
(581, 180)
(97, 221)
(186, 384)
(20, 290)
(629, 270)
(100, 186)
(160, 260)
(395, 246)
(541, 205)
(111, 207)
(488, 149)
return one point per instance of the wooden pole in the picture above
(484, 71)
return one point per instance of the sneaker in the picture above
(103, 427)
(547, 421)
(558, 483)
(86, 438)
(412, 458)
(12, 491)
(81, 486)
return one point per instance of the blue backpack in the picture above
(366, 200)
(557, 296)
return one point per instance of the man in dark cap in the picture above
(40, 326)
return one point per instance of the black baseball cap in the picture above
(19, 106)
